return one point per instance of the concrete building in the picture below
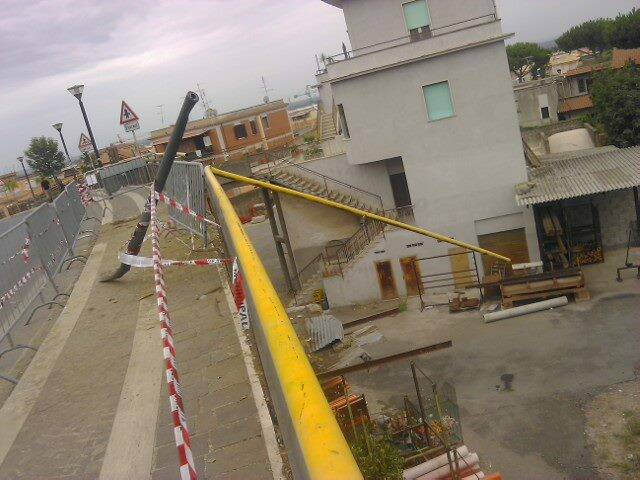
(537, 101)
(563, 62)
(233, 134)
(424, 106)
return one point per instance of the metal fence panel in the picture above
(73, 194)
(47, 238)
(13, 270)
(68, 220)
(185, 184)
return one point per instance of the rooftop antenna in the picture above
(266, 90)
(161, 112)
(206, 107)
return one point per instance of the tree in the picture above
(87, 162)
(593, 34)
(524, 56)
(44, 157)
(624, 31)
(616, 102)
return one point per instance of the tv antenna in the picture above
(266, 90)
(161, 112)
(206, 107)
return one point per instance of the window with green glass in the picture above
(416, 15)
(438, 98)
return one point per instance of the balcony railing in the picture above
(422, 36)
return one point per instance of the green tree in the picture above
(10, 185)
(593, 34)
(616, 102)
(624, 31)
(87, 162)
(523, 54)
(44, 157)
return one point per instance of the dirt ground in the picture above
(613, 430)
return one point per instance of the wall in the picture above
(458, 169)
(326, 97)
(615, 209)
(372, 177)
(528, 106)
(375, 21)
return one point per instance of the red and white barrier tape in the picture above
(239, 296)
(24, 252)
(85, 196)
(180, 430)
(146, 262)
(184, 209)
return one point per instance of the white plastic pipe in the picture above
(425, 467)
(444, 471)
(524, 309)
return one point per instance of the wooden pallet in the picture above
(544, 286)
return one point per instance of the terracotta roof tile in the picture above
(575, 103)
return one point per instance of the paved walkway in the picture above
(93, 403)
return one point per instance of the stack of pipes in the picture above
(438, 468)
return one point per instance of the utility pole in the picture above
(58, 127)
(76, 91)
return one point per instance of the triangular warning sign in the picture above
(85, 144)
(127, 114)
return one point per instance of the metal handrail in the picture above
(339, 57)
(327, 179)
(315, 444)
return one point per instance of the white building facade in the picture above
(426, 91)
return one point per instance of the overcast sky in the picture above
(150, 52)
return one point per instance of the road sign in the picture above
(131, 126)
(85, 144)
(127, 114)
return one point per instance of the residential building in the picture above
(576, 100)
(233, 134)
(563, 62)
(537, 101)
(424, 105)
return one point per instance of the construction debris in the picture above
(324, 330)
(543, 286)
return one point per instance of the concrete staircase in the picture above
(328, 263)
(327, 126)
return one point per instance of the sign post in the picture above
(129, 120)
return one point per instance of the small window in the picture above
(254, 127)
(438, 98)
(265, 121)
(343, 122)
(544, 112)
(416, 17)
(582, 85)
(240, 131)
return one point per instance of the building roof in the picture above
(207, 124)
(585, 69)
(575, 177)
(621, 57)
(188, 134)
(575, 103)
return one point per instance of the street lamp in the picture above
(21, 160)
(76, 91)
(58, 127)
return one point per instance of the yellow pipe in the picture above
(357, 211)
(326, 453)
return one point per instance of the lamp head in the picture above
(57, 126)
(76, 91)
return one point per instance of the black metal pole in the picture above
(64, 145)
(93, 140)
(27, 176)
(135, 243)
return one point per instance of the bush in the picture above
(377, 458)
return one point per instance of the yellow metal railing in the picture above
(316, 446)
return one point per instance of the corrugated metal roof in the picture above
(575, 103)
(576, 177)
(324, 330)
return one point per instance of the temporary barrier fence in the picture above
(32, 252)
(185, 185)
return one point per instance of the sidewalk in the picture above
(93, 401)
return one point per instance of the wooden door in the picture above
(510, 243)
(460, 267)
(386, 281)
(411, 274)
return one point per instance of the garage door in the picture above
(510, 243)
